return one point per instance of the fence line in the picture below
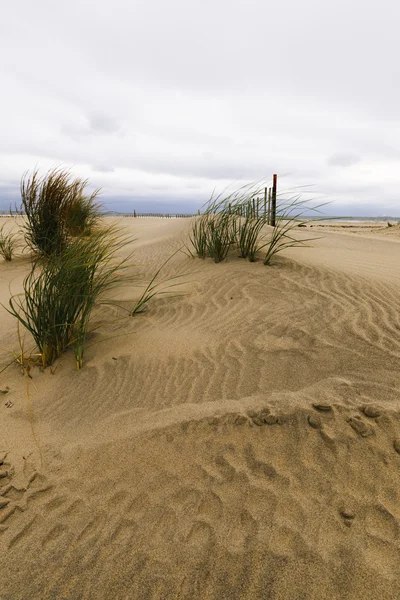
(256, 206)
(137, 215)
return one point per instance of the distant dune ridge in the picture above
(240, 440)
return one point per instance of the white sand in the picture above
(155, 483)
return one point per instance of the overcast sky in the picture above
(160, 101)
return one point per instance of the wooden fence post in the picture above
(265, 204)
(269, 206)
(273, 207)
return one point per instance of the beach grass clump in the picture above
(83, 214)
(199, 234)
(59, 294)
(290, 214)
(220, 235)
(55, 207)
(249, 235)
(236, 221)
(8, 243)
(212, 235)
(229, 220)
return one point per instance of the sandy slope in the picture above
(190, 457)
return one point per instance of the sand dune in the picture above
(240, 440)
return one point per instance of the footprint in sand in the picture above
(4, 467)
(396, 445)
(348, 516)
(322, 406)
(226, 469)
(211, 506)
(314, 421)
(240, 420)
(372, 411)
(263, 417)
(5, 503)
(272, 420)
(15, 497)
(201, 536)
(360, 427)
(258, 466)
(258, 417)
(381, 523)
(52, 538)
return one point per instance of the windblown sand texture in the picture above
(240, 440)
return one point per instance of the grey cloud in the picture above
(102, 123)
(103, 168)
(209, 170)
(343, 160)
(97, 124)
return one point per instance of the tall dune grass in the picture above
(212, 235)
(8, 243)
(199, 234)
(83, 214)
(249, 239)
(215, 232)
(55, 207)
(233, 221)
(290, 214)
(60, 294)
(220, 235)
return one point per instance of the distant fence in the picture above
(266, 205)
(255, 208)
(138, 215)
(134, 214)
(258, 207)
